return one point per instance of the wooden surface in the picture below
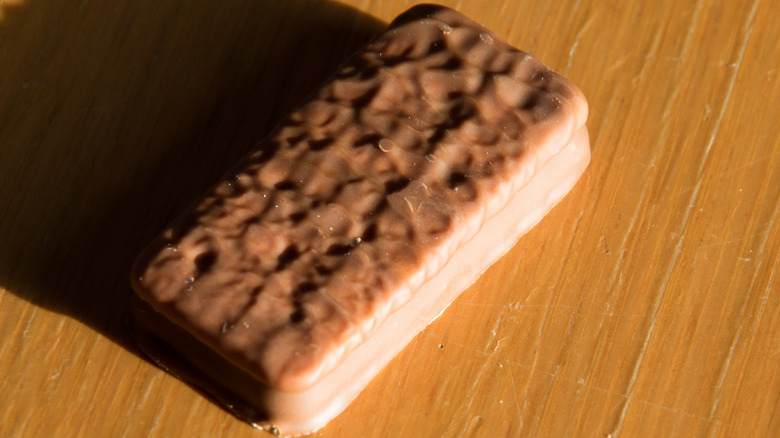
(646, 304)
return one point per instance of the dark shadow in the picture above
(115, 116)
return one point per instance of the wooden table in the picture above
(646, 304)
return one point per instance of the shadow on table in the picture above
(113, 117)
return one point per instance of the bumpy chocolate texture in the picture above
(359, 197)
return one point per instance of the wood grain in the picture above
(646, 304)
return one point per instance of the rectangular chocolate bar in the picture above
(313, 262)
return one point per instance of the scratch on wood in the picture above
(684, 222)
(604, 246)
(156, 421)
(473, 424)
(733, 241)
(437, 337)
(724, 371)
(686, 48)
(576, 43)
(26, 329)
(730, 89)
(494, 334)
(537, 346)
(57, 338)
(20, 428)
(148, 389)
(472, 394)
(543, 404)
(756, 321)
(573, 319)
(475, 304)
(518, 417)
(574, 8)
(606, 116)
(581, 382)
(617, 64)
(630, 388)
(763, 159)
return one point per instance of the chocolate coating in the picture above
(359, 197)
